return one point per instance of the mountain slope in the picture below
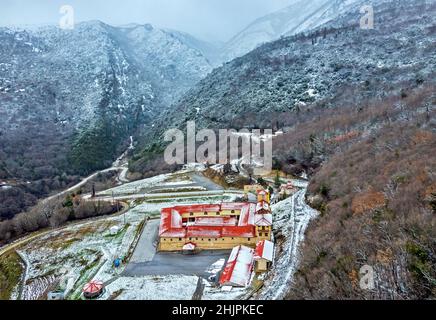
(294, 74)
(358, 110)
(298, 17)
(210, 50)
(70, 99)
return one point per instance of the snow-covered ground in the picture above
(78, 253)
(291, 219)
(181, 178)
(152, 288)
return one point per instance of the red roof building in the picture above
(214, 226)
(264, 250)
(237, 272)
(263, 255)
(172, 223)
(93, 289)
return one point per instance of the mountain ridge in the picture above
(70, 99)
(298, 17)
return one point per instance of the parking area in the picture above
(146, 261)
(146, 246)
(203, 264)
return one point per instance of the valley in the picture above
(352, 185)
(83, 251)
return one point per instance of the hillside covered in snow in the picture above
(70, 99)
(357, 108)
(300, 16)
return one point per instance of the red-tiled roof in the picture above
(93, 287)
(246, 216)
(237, 271)
(263, 206)
(215, 221)
(233, 205)
(172, 226)
(242, 232)
(263, 220)
(264, 250)
(204, 231)
(198, 208)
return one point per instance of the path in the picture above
(163, 196)
(300, 214)
(199, 290)
(121, 164)
(23, 276)
(81, 183)
(205, 182)
(146, 246)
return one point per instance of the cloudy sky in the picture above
(216, 19)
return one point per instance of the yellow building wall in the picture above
(211, 214)
(230, 213)
(174, 244)
(261, 265)
(263, 233)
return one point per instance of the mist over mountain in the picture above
(298, 17)
(355, 108)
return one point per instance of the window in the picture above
(209, 240)
(217, 213)
(205, 213)
(171, 239)
(180, 239)
(233, 211)
(191, 213)
(248, 239)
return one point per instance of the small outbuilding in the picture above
(189, 248)
(114, 230)
(93, 289)
(237, 272)
(263, 255)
